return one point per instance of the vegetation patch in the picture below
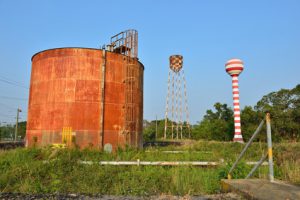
(47, 170)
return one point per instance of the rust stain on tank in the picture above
(66, 94)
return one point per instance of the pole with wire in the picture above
(17, 121)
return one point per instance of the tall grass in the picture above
(24, 170)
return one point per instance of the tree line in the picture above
(218, 124)
(7, 132)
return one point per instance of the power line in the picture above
(15, 98)
(14, 83)
(9, 110)
(4, 115)
(8, 79)
(8, 106)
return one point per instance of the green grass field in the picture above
(25, 170)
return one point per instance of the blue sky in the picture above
(264, 34)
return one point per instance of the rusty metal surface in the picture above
(65, 91)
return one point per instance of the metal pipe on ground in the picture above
(160, 163)
(177, 152)
(153, 163)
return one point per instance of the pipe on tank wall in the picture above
(103, 70)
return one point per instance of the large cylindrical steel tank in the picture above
(85, 97)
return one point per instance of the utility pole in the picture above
(17, 121)
(156, 128)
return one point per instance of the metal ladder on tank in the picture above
(126, 43)
(130, 110)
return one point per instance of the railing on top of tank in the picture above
(125, 43)
(264, 157)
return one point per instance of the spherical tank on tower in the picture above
(85, 97)
(234, 67)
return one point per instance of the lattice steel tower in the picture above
(178, 106)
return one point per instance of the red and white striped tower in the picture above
(234, 67)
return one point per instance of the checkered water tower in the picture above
(234, 67)
(176, 104)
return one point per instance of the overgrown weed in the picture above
(47, 170)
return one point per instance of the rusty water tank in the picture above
(85, 97)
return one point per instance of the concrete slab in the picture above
(261, 189)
